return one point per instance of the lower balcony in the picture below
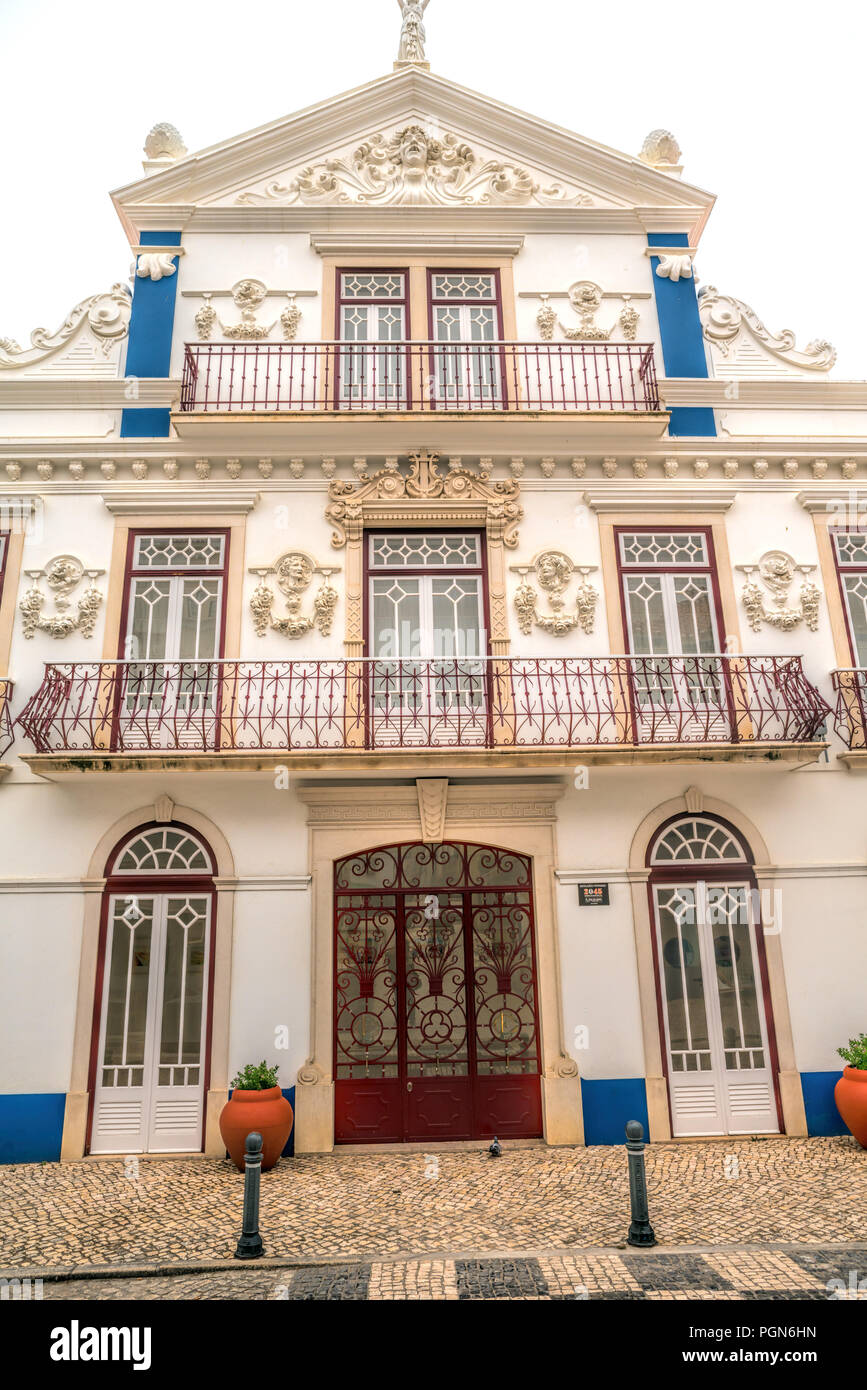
(6, 731)
(523, 711)
(850, 715)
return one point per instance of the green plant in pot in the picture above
(850, 1093)
(256, 1105)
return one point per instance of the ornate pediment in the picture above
(497, 501)
(410, 165)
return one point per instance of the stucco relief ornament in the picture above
(345, 509)
(777, 571)
(248, 296)
(724, 319)
(156, 265)
(290, 319)
(105, 315)
(546, 319)
(628, 320)
(660, 150)
(408, 166)
(164, 142)
(675, 265)
(553, 572)
(205, 319)
(294, 573)
(62, 575)
(586, 300)
(412, 34)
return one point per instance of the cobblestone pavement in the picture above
(820, 1273)
(379, 1205)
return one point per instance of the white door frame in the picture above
(145, 1100)
(736, 1101)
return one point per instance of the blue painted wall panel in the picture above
(682, 343)
(609, 1105)
(31, 1127)
(823, 1117)
(150, 340)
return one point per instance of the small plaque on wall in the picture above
(593, 895)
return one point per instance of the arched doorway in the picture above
(149, 1057)
(717, 1031)
(435, 999)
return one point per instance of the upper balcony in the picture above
(551, 393)
(476, 712)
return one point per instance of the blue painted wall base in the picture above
(823, 1117)
(31, 1127)
(609, 1105)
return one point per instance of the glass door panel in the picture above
(148, 1094)
(719, 1074)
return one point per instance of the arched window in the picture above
(709, 957)
(149, 1070)
(164, 849)
(696, 839)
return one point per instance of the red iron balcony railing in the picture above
(6, 731)
(329, 706)
(850, 716)
(421, 376)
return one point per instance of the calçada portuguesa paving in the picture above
(536, 1222)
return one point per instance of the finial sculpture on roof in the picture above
(412, 34)
(163, 146)
(660, 150)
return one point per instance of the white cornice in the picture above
(513, 221)
(80, 393)
(416, 243)
(664, 495)
(213, 498)
(782, 393)
(826, 500)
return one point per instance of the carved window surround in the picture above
(422, 498)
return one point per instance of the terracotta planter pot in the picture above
(850, 1093)
(264, 1112)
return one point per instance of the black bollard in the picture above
(250, 1245)
(640, 1229)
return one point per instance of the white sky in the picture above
(766, 98)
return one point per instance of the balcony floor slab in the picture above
(397, 432)
(445, 760)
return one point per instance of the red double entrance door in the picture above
(436, 1033)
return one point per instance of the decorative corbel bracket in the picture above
(156, 262)
(553, 572)
(294, 572)
(777, 571)
(675, 262)
(62, 575)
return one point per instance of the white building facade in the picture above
(432, 656)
